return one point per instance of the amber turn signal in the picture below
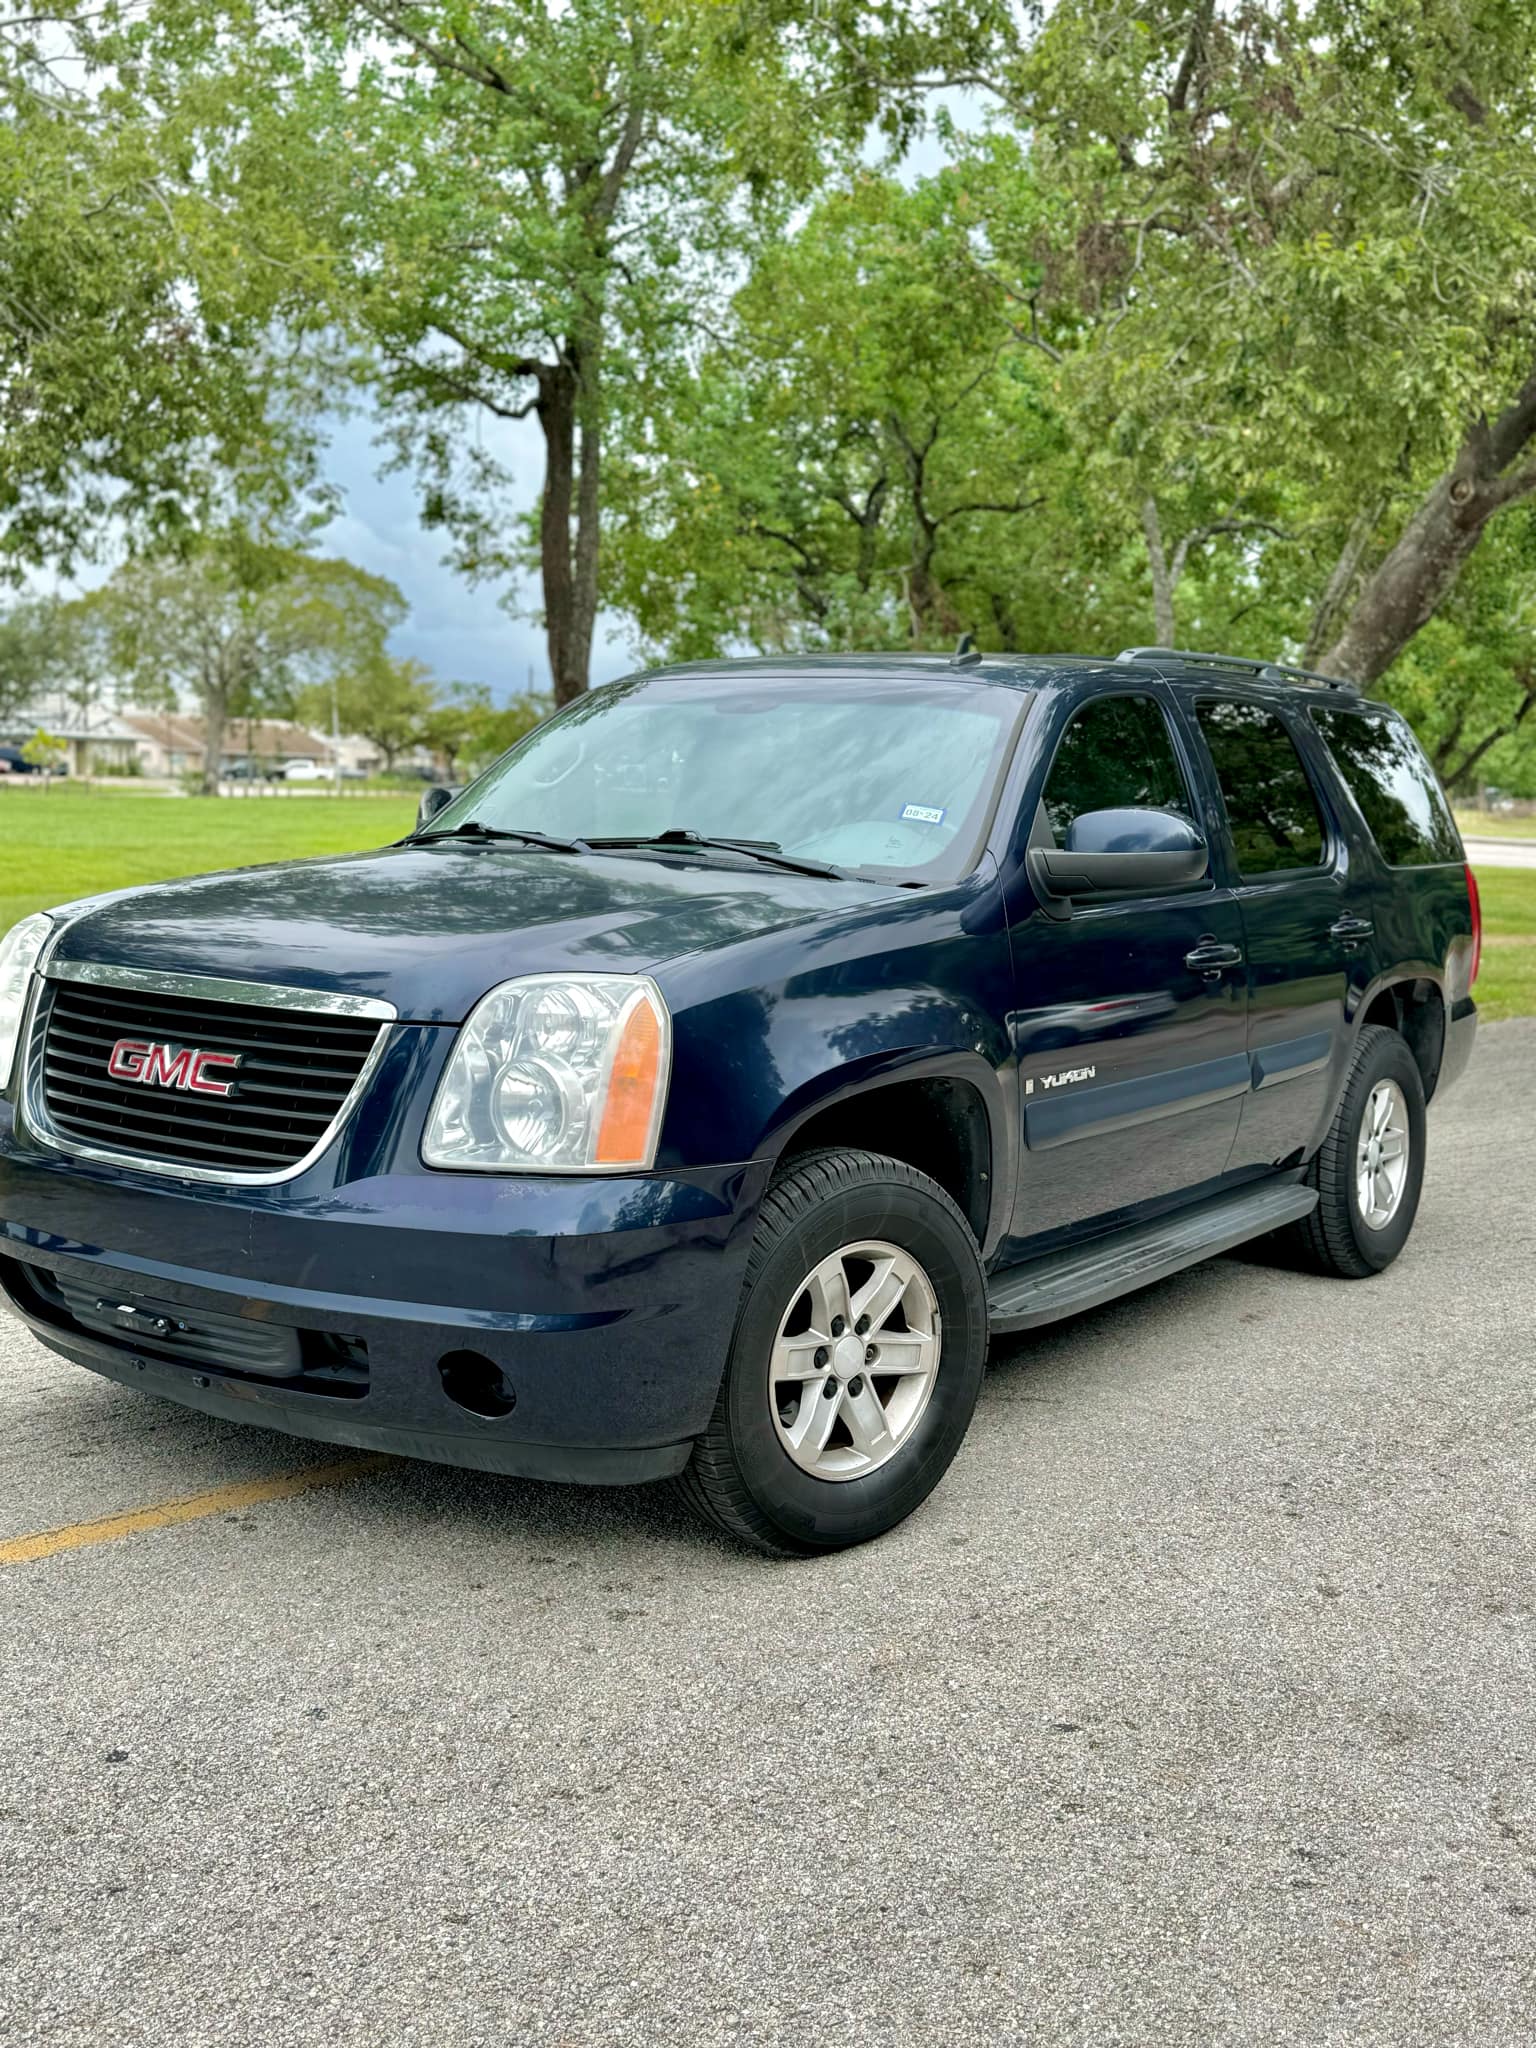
(633, 1103)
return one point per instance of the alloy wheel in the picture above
(854, 1361)
(1381, 1155)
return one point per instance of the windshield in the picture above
(892, 773)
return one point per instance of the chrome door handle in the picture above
(1211, 956)
(1349, 931)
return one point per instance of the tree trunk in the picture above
(589, 418)
(215, 715)
(928, 606)
(1162, 580)
(1421, 569)
(1453, 774)
(1340, 582)
(568, 519)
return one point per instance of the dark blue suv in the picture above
(697, 1092)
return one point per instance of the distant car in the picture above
(14, 762)
(302, 769)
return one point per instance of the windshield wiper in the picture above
(768, 851)
(474, 830)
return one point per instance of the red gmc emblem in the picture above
(186, 1067)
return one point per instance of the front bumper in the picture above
(607, 1304)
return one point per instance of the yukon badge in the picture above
(1061, 1080)
(186, 1067)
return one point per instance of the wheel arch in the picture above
(945, 1117)
(1413, 1004)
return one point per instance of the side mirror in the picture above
(432, 801)
(1120, 852)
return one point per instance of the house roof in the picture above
(267, 738)
(18, 726)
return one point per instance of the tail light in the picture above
(1477, 925)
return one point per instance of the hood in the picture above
(431, 928)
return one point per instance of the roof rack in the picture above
(1265, 671)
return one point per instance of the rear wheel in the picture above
(856, 1362)
(1369, 1170)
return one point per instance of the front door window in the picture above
(1117, 752)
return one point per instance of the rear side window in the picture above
(1116, 751)
(1394, 785)
(1270, 803)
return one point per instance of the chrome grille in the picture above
(298, 1071)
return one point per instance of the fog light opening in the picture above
(477, 1383)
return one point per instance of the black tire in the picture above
(1335, 1238)
(741, 1476)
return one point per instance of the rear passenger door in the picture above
(1306, 906)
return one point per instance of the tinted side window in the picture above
(1394, 785)
(1117, 750)
(1270, 805)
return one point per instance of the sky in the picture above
(461, 630)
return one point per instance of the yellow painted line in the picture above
(166, 1514)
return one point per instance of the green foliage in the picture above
(1281, 260)
(1468, 681)
(387, 699)
(467, 730)
(848, 466)
(1227, 291)
(523, 209)
(32, 653)
(45, 750)
(143, 384)
(242, 626)
(1223, 327)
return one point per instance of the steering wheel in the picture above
(577, 757)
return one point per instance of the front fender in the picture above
(921, 993)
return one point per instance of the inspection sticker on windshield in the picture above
(922, 814)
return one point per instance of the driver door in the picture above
(1129, 1023)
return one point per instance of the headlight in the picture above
(558, 1073)
(18, 956)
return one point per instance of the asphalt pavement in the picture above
(1196, 1707)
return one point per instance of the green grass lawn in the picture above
(72, 841)
(69, 841)
(1495, 825)
(1507, 985)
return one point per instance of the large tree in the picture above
(1281, 253)
(861, 460)
(33, 653)
(526, 207)
(240, 626)
(533, 207)
(143, 380)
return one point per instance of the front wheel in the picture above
(856, 1362)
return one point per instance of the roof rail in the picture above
(1265, 671)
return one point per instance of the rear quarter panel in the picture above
(1424, 930)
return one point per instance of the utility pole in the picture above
(335, 739)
